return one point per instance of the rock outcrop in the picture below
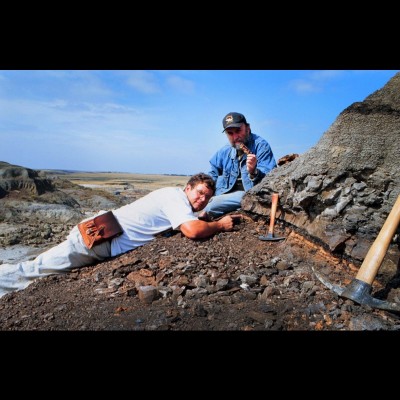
(37, 209)
(340, 192)
(15, 177)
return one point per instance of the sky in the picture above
(165, 121)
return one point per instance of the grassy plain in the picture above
(122, 181)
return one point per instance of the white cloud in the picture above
(325, 75)
(315, 82)
(73, 119)
(180, 84)
(303, 86)
(143, 81)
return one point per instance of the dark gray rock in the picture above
(340, 192)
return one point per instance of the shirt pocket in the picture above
(222, 181)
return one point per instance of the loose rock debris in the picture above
(230, 282)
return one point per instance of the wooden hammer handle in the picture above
(373, 260)
(274, 204)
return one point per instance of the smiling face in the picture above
(238, 135)
(199, 195)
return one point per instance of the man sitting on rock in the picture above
(140, 221)
(238, 166)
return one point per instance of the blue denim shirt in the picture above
(225, 165)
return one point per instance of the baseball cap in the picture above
(233, 120)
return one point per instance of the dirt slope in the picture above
(231, 282)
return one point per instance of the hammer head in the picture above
(360, 292)
(270, 238)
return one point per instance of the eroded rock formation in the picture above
(15, 177)
(341, 191)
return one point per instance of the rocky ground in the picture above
(230, 282)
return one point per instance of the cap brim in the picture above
(233, 126)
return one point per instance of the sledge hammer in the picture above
(359, 289)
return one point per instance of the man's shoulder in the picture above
(225, 149)
(166, 191)
(168, 194)
(170, 189)
(259, 140)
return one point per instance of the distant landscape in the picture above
(119, 181)
(30, 222)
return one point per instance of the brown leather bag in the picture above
(99, 229)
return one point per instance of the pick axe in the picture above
(359, 289)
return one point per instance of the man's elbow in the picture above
(193, 237)
(193, 232)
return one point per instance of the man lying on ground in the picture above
(140, 221)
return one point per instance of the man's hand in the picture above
(228, 222)
(251, 163)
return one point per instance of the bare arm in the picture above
(201, 229)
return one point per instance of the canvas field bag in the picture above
(99, 229)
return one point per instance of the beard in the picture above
(241, 147)
(244, 141)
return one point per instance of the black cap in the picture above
(233, 120)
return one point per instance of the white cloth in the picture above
(141, 220)
(69, 254)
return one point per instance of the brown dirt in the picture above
(230, 282)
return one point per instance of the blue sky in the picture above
(169, 121)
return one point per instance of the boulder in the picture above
(340, 192)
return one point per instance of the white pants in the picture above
(71, 253)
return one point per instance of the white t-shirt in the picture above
(156, 212)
